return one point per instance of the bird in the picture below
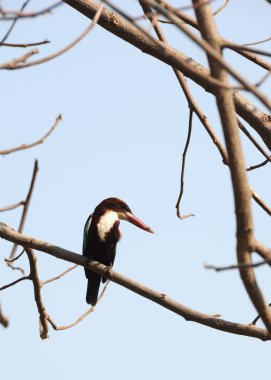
(101, 235)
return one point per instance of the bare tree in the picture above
(237, 114)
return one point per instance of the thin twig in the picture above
(254, 141)
(38, 142)
(26, 206)
(15, 258)
(246, 48)
(59, 276)
(14, 282)
(260, 202)
(257, 42)
(192, 104)
(25, 45)
(236, 266)
(11, 207)
(20, 60)
(89, 311)
(7, 66)
(14, 22)
(253, 323)
(257, 166)
(221, 8)
(183, 168)
(263, 79)
(23, 15)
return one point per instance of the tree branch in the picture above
(163, 300)
(26, 206)
(58, 276)
(25, 45)
(12, 66)
(129, 33)
(38, 142)
(44, 332)
(241, 189)
(89, 311)
(12, 207)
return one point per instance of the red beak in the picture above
(137, 222)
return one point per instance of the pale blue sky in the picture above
(123, 131)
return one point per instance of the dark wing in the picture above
(85, 236)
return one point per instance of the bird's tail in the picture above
(94, 281)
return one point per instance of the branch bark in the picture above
(161, 299)
(241, 189)
(258, 120)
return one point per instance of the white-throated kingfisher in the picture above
(101, 234)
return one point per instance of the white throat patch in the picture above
(106, 222)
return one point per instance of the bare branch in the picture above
(254, 142)
(15, 258)
(9, 15)
(14, 22)
(8, 66)
(257, 318)
(183, 167)
(26, 206)
(38, 142)
(20, 60)
(257, 42)
(58, 276)
(257, 166)
(44, 333)
(242, 194)
(236, 266)
(25, 45)
(192, 103)
(193, 70)
(263, 79)
(262, 250)
(157, 297)
(11, 207)
(260, 202)
(14, 282)
(89, 311)
(223, 6)
(211, 51)
(246, 48)
(190, 21)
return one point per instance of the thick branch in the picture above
(240, 184)
(189, 314)
(115, 24)
(34, 276)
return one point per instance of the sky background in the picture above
(123, 132)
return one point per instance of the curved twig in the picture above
(58, 276)
(89, 311)
(38, 142)
(7, 66)
(11, 207)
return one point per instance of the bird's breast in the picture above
(106, 223)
